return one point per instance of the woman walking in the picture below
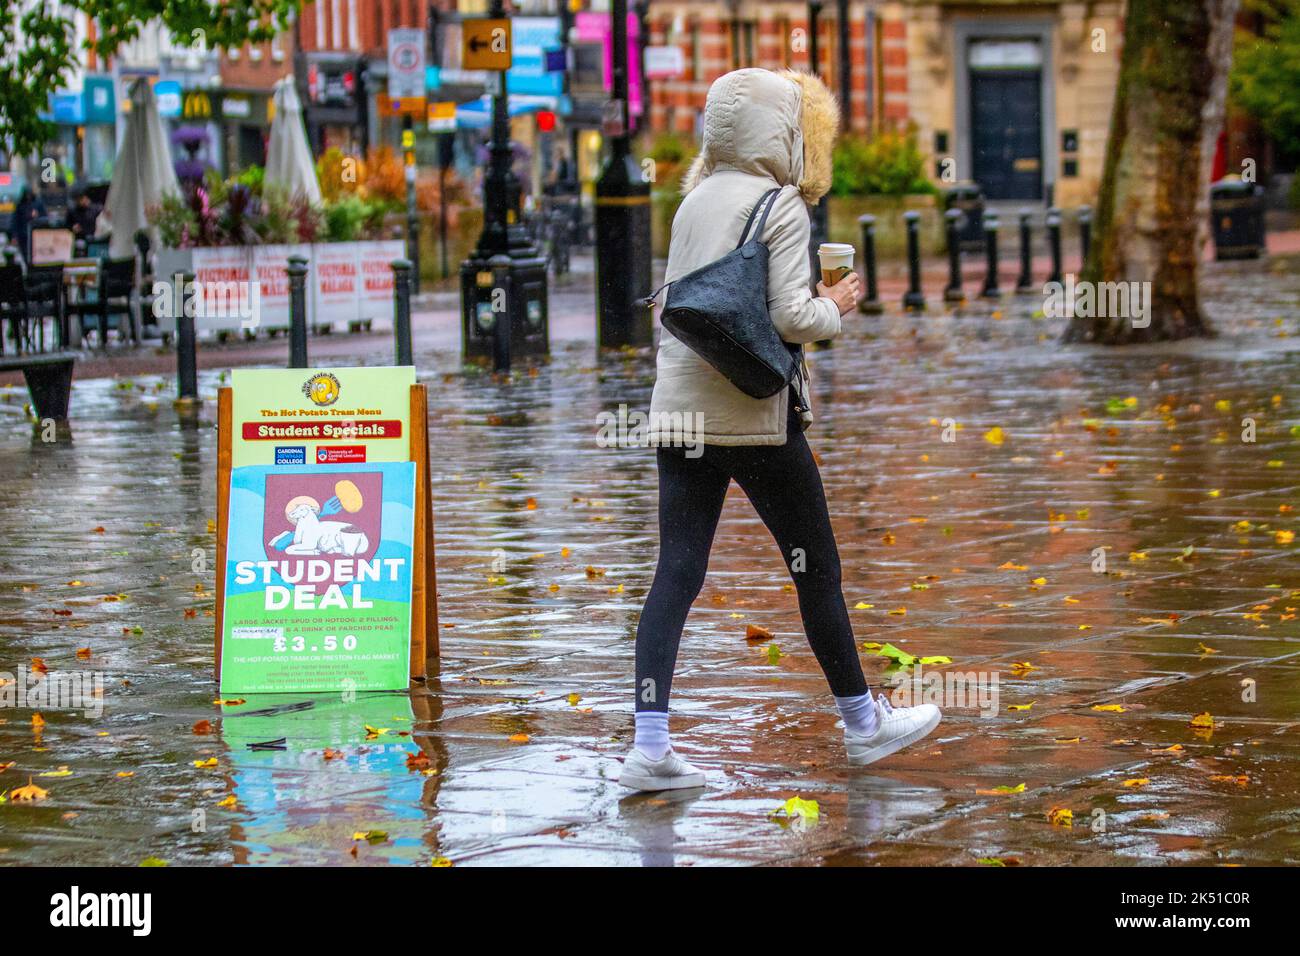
(762, 131)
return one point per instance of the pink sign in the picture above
(598, 28)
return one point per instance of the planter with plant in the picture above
(884, 175)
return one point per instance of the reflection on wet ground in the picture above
(983, 550)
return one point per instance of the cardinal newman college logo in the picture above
(318, 578)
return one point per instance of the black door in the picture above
(1006, 133)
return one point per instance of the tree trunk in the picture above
(1152, 216)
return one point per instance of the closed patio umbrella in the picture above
(289, 164)
(142, 174)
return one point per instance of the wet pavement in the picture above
(983, 550)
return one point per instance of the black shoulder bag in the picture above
(720, 312)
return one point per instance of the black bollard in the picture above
(500, 266)
(1025, 283)
(952, 292)
(297, 312)
(402, 310)
(870, 302)
(187, 365)
(1085, 234)
(913, 300)
(1054, 242)
(991, 290)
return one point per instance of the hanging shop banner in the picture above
(321, 417)
(318, 564)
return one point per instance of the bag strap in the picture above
(758, 233)
(773, 194)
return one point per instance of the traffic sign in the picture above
(485, 44)
(405, 63)
(442, 117)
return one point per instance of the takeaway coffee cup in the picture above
(836, 260)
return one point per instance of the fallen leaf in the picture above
(28, 794)
(754, 632)
(1002, 790)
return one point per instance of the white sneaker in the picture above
(897, 728)
(670, 772)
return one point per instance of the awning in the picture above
(477, 114)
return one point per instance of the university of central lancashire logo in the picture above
(322, 388)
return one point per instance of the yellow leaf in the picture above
(61, 772)
(1109, 708)
(1204, 719)
(995, 435)
(863, 606)
(1028, 706)
(574, 698)
(1061, 817)
(230, 801)
(1137, 782)
(519, 738)
(898, 611)
(205, 764)
(440, 861)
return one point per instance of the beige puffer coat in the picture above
(761, 129)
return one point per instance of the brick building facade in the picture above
(1014, 95)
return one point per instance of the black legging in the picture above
(785, 487)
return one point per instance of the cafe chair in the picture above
(45, 300)
(111, 303)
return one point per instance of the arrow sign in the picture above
(486, 44)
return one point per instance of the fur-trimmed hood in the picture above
(779, 125)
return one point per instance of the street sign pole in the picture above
(517, 307)
(622, 219)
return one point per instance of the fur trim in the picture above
(820, 119)
(695, 173)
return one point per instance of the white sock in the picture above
(652, 734)
(859, 714)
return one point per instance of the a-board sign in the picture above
(320, 416)
(51, 245)
(485, 44)
(317, 573)
(325, 535)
